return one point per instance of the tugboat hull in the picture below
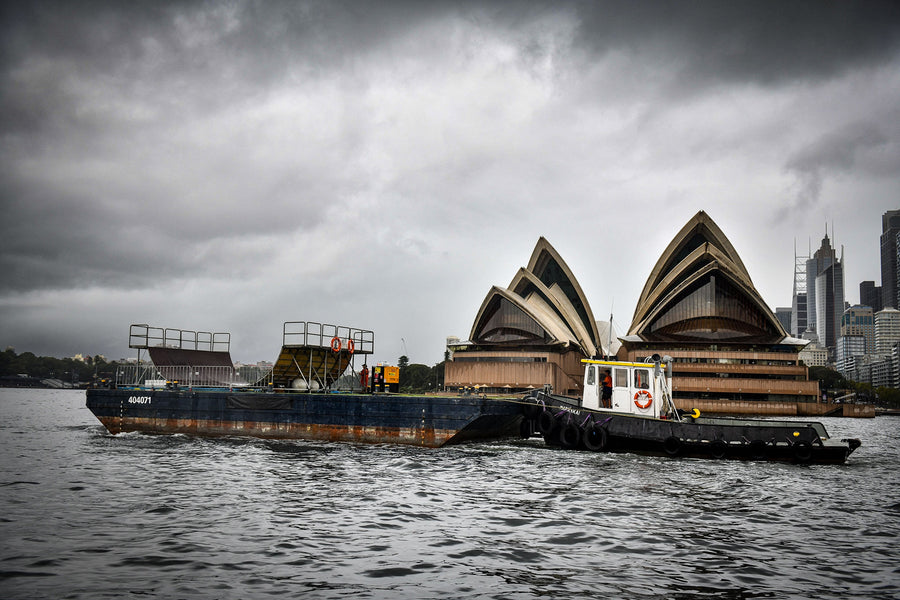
(563, 423)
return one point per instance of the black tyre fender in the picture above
(546, 422)
(718, 448)
(757, 450)
(595, 438)
(672, 445)
(569, 434)
(803, 451)
(526, 426)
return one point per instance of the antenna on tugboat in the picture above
(610, 330)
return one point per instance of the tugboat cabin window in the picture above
(621, 378)
(642, 379)
(591, 376)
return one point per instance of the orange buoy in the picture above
(645, 397)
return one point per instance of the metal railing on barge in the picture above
(143, 336)
(315, 354)
(323, 335)
(153, 377)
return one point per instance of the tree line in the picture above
(414, 377)
(68, 370)
(417, 377)
(835, 385)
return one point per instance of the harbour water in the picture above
(84, 514)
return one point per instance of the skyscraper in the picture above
(783, 314)
(799, 300)
(859, 320)
(887, 329)
(825, 293)
(870, 295)
(829, 303)
(890, 287)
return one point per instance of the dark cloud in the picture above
(766, 42)
(838, 150)
(160, 159)
(865, 149)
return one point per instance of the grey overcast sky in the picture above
(227, 166)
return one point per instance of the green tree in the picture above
(829, 379)
(437, 372)
(864, 391)
(65, 369)
(888, 397)
(403, 364)
(419, 378)
(415, 378)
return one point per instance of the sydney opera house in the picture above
(698, 306)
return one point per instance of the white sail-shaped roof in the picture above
(700, 290)
(543, 305)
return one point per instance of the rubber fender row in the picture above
(756, 449)
(570, 433)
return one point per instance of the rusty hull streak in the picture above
(429, 438)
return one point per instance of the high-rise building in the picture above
(825, 293)
(799, 299)
(814, 355)
(897, 272)
(882, 372)
(860, 321)
(870, 295)
(848, 348)
(887, 329)
(895, 366)
(890, 286)
(783, 314)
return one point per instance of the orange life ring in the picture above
(646, 395)
(350, 346)
(336, 344)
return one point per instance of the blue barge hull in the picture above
(429, 421)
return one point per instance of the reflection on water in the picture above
(88, 515)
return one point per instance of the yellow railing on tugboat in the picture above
(616, 363)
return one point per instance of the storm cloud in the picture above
(232, 165)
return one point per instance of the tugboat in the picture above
(190, 386)
(634, 412)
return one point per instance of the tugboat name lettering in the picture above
(139, 399)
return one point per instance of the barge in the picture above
(628, 407)
(190, 386)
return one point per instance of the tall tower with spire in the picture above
(825, 293)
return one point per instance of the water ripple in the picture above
(87, 515)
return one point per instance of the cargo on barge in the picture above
(628, 407)
(190, 386)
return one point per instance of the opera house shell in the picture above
(531, 333)
(698, 306)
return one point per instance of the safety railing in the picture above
(151, 376)
(324, 335)
(142, 336)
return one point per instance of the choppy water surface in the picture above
(90, 515)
